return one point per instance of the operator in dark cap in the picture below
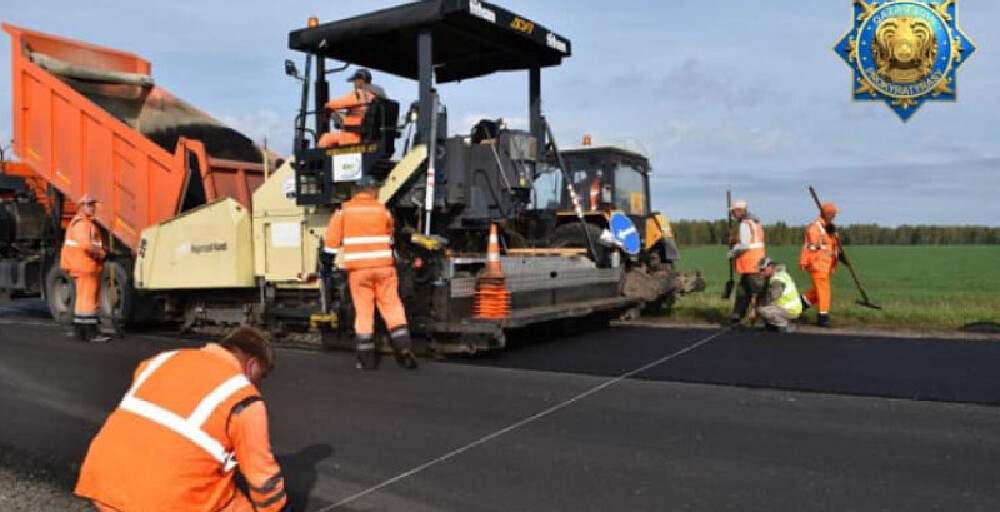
(351, 108)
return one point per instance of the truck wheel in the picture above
(60, 295)
(117, 295)
(573, 236)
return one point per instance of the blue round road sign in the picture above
(625, 232)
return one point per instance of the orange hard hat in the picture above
(828, 209)
(88, 199)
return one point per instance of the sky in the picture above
(740, 94)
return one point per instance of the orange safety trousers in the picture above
(819, 295)
(87, 286)
(371, 287)
(356, 104)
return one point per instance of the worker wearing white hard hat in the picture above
(746, 251)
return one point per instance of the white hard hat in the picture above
(739, 204)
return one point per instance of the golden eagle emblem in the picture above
(904, 49)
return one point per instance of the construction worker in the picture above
(189, 419)
(820, 253)
(746, 251)
(352, 108)
(82, 258)
(781, 303)
(360, 236)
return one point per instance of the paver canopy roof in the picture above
(470, 39)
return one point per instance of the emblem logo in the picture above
(905, 52)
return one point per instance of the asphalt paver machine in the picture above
(447, 191)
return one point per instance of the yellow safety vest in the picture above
(789, 300)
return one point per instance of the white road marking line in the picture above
(514, 426)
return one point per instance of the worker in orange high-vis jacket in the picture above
(819, 257)
(746, 252)
(360, 236)
(351, 108)
(82, 257)
(190, 420)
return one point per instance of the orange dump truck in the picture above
(88, 119)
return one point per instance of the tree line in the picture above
(705, 232)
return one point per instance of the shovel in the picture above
(727, 291)
(865, 301)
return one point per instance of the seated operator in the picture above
(351, 108)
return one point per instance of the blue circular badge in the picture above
(904, 49)
(623, 229)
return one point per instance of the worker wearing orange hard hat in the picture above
(82, 257)
(819, 257)
(746, 251)
(359, 236)
(352, 108)
(191, 419)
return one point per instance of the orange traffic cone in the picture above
(492, 296)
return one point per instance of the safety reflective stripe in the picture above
(366, 346)
(362, 240)
(72, 243)
(368, 255)
(269, 485)
(215, 398)
(756, 245)
(168, 419)
(269, 501)
(331, 250)
(191, 427)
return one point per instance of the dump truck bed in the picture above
(90, 120)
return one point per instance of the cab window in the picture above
(630, 190)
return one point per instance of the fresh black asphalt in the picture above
(746, 421)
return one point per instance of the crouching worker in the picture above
(781, 304)
(191, 419)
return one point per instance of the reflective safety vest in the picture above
(82, 239)
(166, 446)
(789, 300)
(362, 231)
(819, 249)
(747, 261)
(356, 103)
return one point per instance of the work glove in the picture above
(731, 254)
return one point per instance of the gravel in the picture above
(35, 485)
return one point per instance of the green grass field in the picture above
(919, 287)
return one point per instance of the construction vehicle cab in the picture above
(611, 179)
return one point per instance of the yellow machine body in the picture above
(205, 248)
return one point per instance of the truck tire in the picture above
(572, 235)
(60, 295)
(117, 295)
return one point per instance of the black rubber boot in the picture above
(81, 332)
(367, 357)
(402, 348)
(823, 320)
